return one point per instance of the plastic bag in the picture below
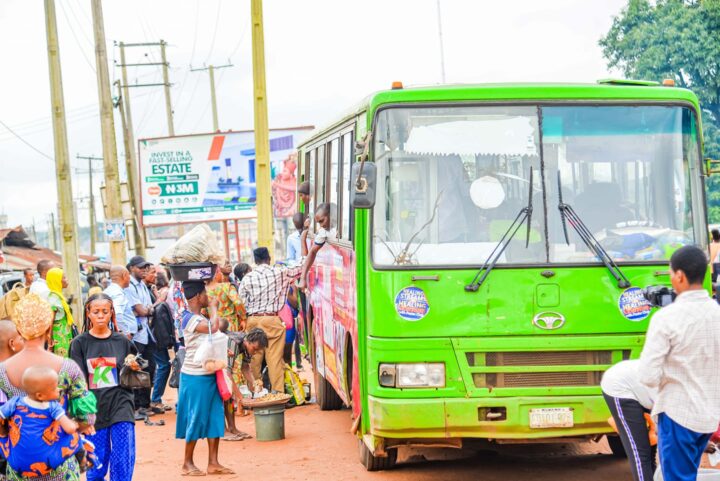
(294, 386)
(212, 352)
(224, 384)
(198, 245)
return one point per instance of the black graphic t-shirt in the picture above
(100, 361)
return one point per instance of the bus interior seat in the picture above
(600, 206)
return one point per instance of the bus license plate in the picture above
(551, 418)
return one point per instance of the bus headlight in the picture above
(412, 375)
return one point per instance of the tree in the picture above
(680, 40)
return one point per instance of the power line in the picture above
(217, 21)
(77, 41)
(26, 142)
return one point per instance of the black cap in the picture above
(138, 261)
(193, 288)
(261, 254)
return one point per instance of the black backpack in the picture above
(163, 326)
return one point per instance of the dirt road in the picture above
(319, 447)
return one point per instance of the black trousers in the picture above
(629, 416)
(142, 396)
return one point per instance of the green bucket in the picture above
(270, 423)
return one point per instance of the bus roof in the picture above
(607, 90)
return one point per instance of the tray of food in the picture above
(267, 400)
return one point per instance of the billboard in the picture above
(211, 177)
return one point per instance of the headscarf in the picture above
(33, 316)
(54, 282)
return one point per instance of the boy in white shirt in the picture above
(678, 360)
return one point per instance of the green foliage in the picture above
(680, 40)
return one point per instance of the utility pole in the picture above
(166, 81)
(93, 217)
(107, 124)
(442, 46)
(62, 163)
(213, 99)
(131, 166)
(51, 232)
(262, 142)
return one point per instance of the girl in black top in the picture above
(100, 352)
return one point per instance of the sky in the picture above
(322, 57)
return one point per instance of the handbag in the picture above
(176, 367)
(131, 379)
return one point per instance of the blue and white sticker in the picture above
(411, 304)
(633, 305)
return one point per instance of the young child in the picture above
(37, 435)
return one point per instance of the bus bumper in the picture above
(467, 418)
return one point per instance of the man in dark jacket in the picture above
(162, 327)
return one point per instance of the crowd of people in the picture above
(71, 391)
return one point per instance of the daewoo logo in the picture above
(549, 320)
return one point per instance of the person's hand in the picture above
(243, 325)
(302, 285)
(134, 366)
(87, 429)
(711, 448)
(213, 307)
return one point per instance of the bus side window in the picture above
(345, 166)
(320, 183)
(313, 182)
(334, 176)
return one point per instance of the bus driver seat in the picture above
(600, 206)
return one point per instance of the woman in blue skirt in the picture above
(200, 409)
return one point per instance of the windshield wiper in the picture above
(524, 215)
(567, 213)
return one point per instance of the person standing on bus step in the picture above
(293, 250)
(715, 254)
(682, 341)
(264, 290)
(324, 232)
(630, 401)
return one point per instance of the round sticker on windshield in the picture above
(411, 304)
(633, 305)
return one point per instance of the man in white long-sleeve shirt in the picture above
(679, 360)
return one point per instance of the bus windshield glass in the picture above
(452, 179)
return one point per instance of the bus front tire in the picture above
(616, 446)
(376, 463)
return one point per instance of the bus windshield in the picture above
(452, 179)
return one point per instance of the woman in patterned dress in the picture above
(62, 326)
(34, 321)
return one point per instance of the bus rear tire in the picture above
(376, 463)
(327, 398)
(616, 446)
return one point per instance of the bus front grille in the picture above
(526, 364)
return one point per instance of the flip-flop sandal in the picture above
(193, 472)
(158, 423)
(233, 437)
(222, 471)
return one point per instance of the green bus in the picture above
(494, 250)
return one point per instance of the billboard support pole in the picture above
(262, 143)
(237, 240)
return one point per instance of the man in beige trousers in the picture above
(264, 291)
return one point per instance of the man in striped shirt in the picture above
(264, 292)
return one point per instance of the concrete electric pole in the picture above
(262, 142)
(107, 124)
(166, 81)
(71, 264)
(93, 218)
(213, 99)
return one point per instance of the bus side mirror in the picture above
(712, 166)
(363, 180)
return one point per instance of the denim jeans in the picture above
(162, 373)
